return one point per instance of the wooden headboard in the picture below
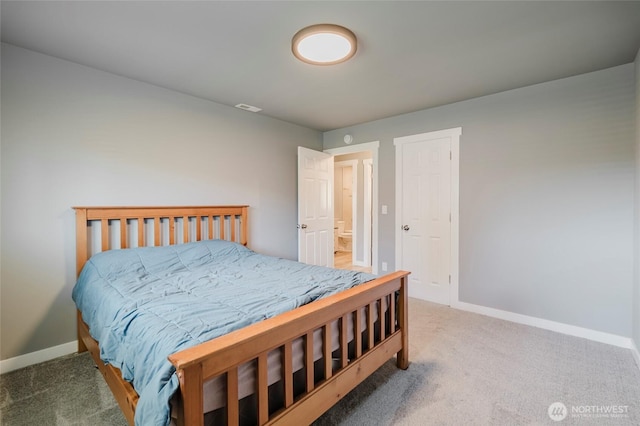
(124, 227)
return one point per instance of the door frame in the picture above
(368, 207)
(454, 135)
(373, 147)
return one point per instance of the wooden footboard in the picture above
(223, 356)
(381, 305)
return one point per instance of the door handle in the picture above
(303, 226)
(405, 228)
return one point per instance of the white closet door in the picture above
(425, 212)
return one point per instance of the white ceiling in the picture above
(411, 55)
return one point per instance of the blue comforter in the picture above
(144, 304)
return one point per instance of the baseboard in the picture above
(597, 336)
(32, 358)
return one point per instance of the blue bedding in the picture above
(144, 304)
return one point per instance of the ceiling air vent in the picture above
(248, 107)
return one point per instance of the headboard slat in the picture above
(185, 229)
(123, 233)
(140, 232)
(210, 220)
(172, 230)
(156, 231)
(104, 234)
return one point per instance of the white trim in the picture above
(571, 330)
(374, 148)
(455, 215)
(454, 135)
(367, 173)
(37, 357)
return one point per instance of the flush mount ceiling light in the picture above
(324, 44)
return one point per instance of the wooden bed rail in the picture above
(219, 222)
(223, 355)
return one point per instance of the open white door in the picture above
(315, 207)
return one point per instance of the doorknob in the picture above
(406, 227)
(303, 226)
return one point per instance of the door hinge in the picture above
(450, 156)
(449, 279)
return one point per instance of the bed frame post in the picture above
(81, 238)
(191, 408)
(402, 360)
(81, 257)
(244, 232)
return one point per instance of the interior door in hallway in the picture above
(315, 207)
(425, 214)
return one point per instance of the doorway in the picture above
(356, 192)
(352, 204)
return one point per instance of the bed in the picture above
(288, 368)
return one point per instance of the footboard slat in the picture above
(287, 355)
(262, 389)
(370, 326)
(233, 412)
(392, 316)
(358, 332)
(381, 316)
(344, 346)
(308, 361)
(326, 351)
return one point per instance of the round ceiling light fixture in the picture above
(324, 44)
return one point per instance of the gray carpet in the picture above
(466, 369)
